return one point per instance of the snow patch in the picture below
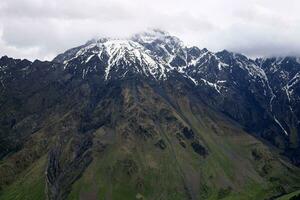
(277, 121)
(213, 85)
(89, 58)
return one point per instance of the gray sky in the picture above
(43, 28)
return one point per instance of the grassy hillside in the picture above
(30, 184)
(131, 142)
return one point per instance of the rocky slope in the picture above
(142, 117)
(261, 95)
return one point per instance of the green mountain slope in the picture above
(134, 140)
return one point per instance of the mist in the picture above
(40, 29)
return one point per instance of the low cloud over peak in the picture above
(42, 29)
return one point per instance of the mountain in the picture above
(148, 117)
(226, 79)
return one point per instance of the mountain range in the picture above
(148, 117)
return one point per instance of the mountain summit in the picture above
(155, 54)
(148, 117)
(159, 56)
(149, 53)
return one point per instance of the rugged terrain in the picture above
(149, 118)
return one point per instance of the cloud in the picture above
(41, 29)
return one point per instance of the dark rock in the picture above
(224, 192)
(296, 197)
(256, 154)
(62, 173)
(99, 146)
(142, 131)
(199, 149)
(161, 144)
(188, 133)
(180, 138)
(183, 144)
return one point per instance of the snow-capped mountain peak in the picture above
(157, 54)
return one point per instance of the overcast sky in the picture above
(43, 28)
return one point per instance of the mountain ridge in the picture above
(158, 55)
(140, 119)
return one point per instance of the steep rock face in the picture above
(237, 84)
(28, 91)
(284, 77)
